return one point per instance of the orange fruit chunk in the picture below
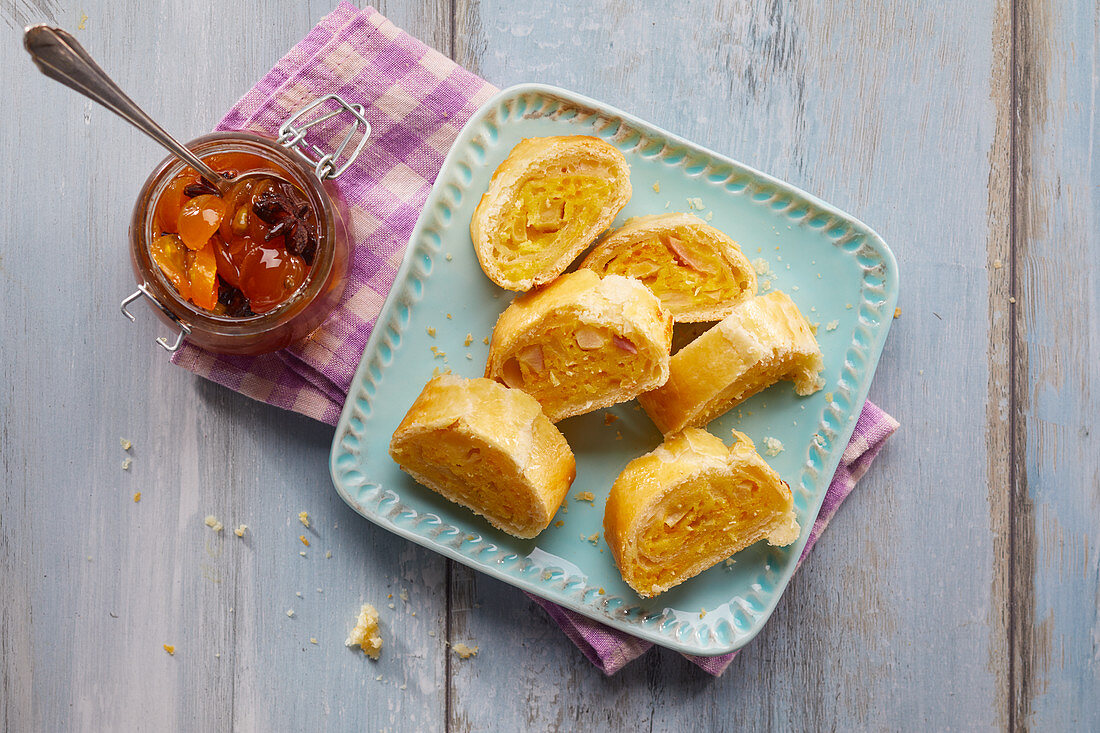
(199, 219)
(202, 270)
(169, 254)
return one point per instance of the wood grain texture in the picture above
(957, 588)
(1057, 302)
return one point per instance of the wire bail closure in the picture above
(293, 138)
(185, 330)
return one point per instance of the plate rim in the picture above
(385, 315)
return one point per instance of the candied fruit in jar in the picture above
(240, 254)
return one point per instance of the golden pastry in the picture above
(697, 271)
(488, 448)
(582, 343)
(548, 200)
(690, 504)
(765, 339)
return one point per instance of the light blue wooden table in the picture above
(957, 588)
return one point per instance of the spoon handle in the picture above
(58, 55)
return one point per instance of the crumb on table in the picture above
(170, 649)
(126, 445)
(365, 634)
(212, 522)
(464, 651)
(137, 497)
(304, 539)
(303, 517)
(240, 530)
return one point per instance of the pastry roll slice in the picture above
(582, 343)
(488, 448)
(548, 200)
(698, 272)
(765, 340)
(690, 504)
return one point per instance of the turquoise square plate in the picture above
(838, 271)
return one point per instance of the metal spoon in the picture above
(58, 55)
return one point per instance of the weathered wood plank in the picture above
(1057, 298)
(886, 112)
(81, 638)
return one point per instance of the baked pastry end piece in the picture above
(490, 449)
(765, 340)
(689, 505)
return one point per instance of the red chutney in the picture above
(241, 254)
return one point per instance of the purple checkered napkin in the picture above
(416, 101)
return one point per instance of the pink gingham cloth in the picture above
(416, 101)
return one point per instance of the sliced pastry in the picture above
(690, 504)
(582, 343)
(488, 448)
(698, 272)
(548, 200)
(766, 339)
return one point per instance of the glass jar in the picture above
(308, 306)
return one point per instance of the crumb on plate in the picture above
(772, 446)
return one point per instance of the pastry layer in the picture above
(548, 200)
(766, 339)
(698, 272)
(488, 448)
(690, 504)
(582, 343)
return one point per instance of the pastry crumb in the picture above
(404, 595)
(303, 517)
(240, 530)
(171, 649)
(593, 538)
(126, 463)
(365, 634)
(656, 187)
(1011, 299)
(126, 445)
(312, 640)
(328, 554)
(304, 540)
(695, 202)
(212, 522)
(464, 651)
(302, 553)
(469, 339)
(431, 331)
(585, 496)
(290, 613)
(761, 266)
(137, 497)
(449, 257)
(559, 523)
(709, 216)
(832, 325)
(828, 396)
(997, 264)
(897, 312)
(772, 446)
(485, 340)
(729, 562)
(609, 418)
(702, 612)
(448, 316)
(847, 306)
